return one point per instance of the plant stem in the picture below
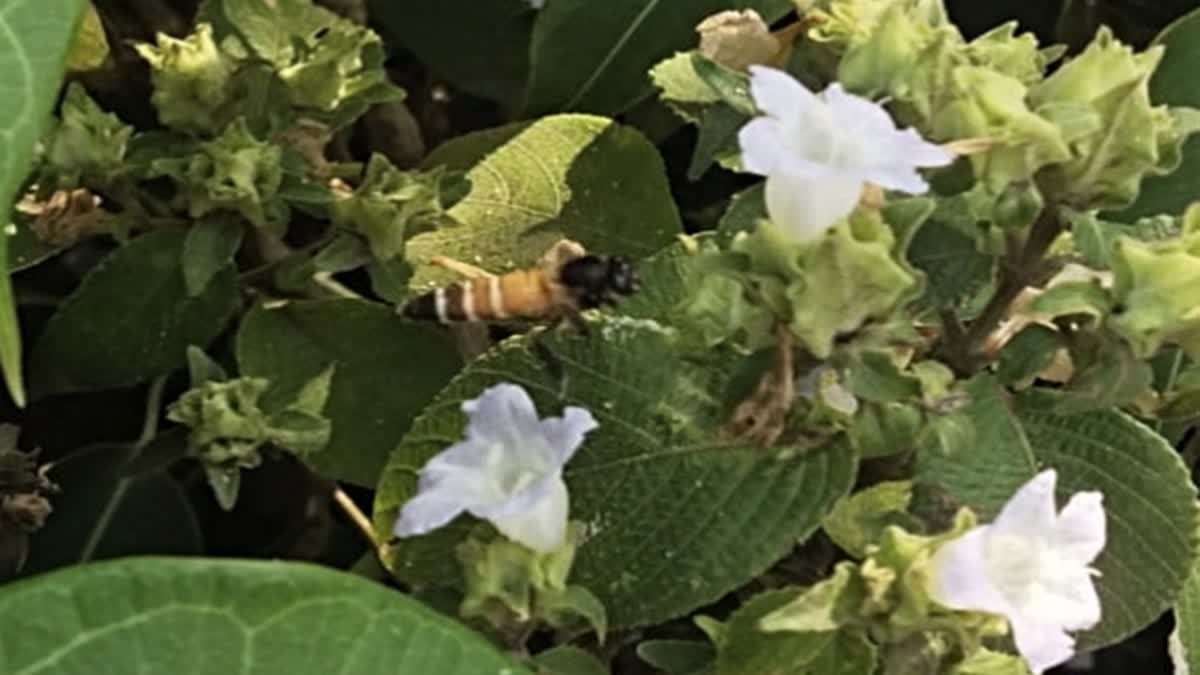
(1020, 269)
(154, 397)
(356, 516)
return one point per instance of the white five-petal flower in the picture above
(819, 150)
(508, 471)
(1032, 566)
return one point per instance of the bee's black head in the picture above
(596, 278)
(622, 278)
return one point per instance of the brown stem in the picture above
(1020, 268)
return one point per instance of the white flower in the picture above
(536, 4)
(819, 150)
(507, 471)
(1031, 566)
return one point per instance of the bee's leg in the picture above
(553, 364)
(461, 268)
(577, 322)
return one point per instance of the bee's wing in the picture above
(561, 253)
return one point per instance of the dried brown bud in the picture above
(67, 216)
(25, 512)
(738, 39)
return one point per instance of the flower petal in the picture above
(536, 518)
(770, 147)
(1079, 534)
(780, 95)
(503, 413)
(1042, 645)
(807, 208)
(1068, 600)
(467, 468)
(1030, 511)
(857, 115)
(427, 511)
(565, 434)
(958, 575)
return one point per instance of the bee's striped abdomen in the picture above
(525, 294)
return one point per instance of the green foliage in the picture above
(223, 253)
(229, 425)
(489, 56)
(1144, 484)
(86, 345)
(733, 508)
(1172, 84)
(1184, 642)
(587, 57)
(255, 617)
(33, 51)
(110, 508)
(376, 386)
(532, 183)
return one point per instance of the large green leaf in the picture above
(1148, 495)
(582, 177)
(480, 46)
(1185, 640)
(214, 617)
(105, 512)
(594, 57)
(675, 517)
(34, 40)
(1173, 83)
(385, 370)
(130, 319)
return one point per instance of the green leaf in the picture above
(676, 518)
(227, 616)
(1173, 83)
(1027, 354)
(568, 660)
(1184, 644)
(130, 319)
(956, 272)
(986, 662)
(849, 653)
(1096, 239)
(34, 40)
(747, 650)
(106, 511)
(385, 371)
(857, 521)
(89, 49)
(1145, 485)
(746, 208)
(25, 250)
(533, 183)
(678, 657)
(332, 65)
(489, 53)
(874, 376)
(209, 248)
(593, 57)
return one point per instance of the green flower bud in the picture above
(391, 205)
(234, 171)
(988, 103)
(189, 77)
(1116, 136)
(1014, 55)
(227, 425)
(88, 145)
(1157, 286)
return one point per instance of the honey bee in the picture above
(566, 281)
